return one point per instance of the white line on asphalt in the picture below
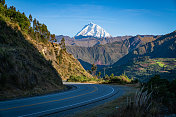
(33, 114)
(35, 97)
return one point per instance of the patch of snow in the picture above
(93, 30)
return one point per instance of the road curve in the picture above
(60, 104)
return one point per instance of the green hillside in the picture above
(23, 70)
(156, 57)
(29, 63)
(144, 69)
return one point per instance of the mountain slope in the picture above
(99, 54)
(65, 64)
(156, 57)
(23, 71)
(163, 47)
(107, 54)
(29, 63)
(138, 40)
(93, 30)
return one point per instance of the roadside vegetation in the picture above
(122, 79)
(84, 79)
(155, 98)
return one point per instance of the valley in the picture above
(108, 54)
(71, 67)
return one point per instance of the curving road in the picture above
(60, 104)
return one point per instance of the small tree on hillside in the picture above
(112, 76)
(5, 6)
(2, 2)
(69, 67)
(30, 18)
(93, 69)
(53, 38)
(60, 56)
(107, 77)
(99, 74)
(89, 71)
(63, 44)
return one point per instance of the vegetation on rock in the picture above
(30, 63)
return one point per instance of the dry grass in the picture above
(141, 105)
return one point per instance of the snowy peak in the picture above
(93, 30)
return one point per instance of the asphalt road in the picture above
(60, 104)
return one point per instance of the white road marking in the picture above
(48, 95)
(35, 114)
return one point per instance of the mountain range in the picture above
(102, 51)
(109, 53)
(155, 57)
(127, 54)
(163, 47)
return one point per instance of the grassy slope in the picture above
(68, 65)
(23, 71)
(26, 65)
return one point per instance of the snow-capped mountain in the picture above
(93, 30)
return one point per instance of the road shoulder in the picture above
(108, 108)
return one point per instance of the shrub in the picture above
(78, 79)
(83, 79)
(122, 79)
(163, 91)
(140, 106)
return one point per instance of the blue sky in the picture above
(118, 17)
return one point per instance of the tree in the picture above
(89, 71)
(5, 6)
(106, 77)
(48, 35)
(63, 44)
(93, 69)
(13, 8)
(34, 24)
(53, 38)
(30, 18)
(69, 67)
(112, 76)
(2, 2)
(60, 56)
(31, 31)
(99, 74)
